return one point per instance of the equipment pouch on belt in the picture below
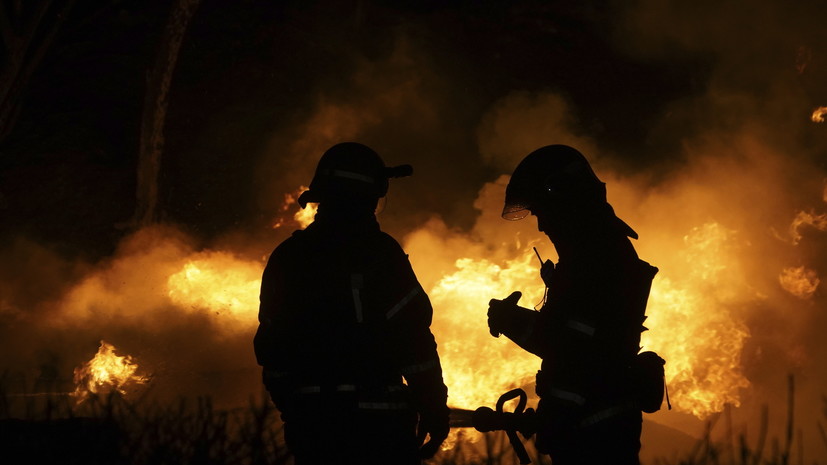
(649, 381)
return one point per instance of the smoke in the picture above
(521, 122)
(186, 315)
(734, 217)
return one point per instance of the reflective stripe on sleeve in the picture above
(383, 405)
(317, 389)
(582, 327)
(607, 413)
(274, 374)
(399, 305)
(567, 396)
(357, 281)
(419, 367)
(309, 390)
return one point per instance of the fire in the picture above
(106, 371)
(220, 282)
(818, 114)
(807, 219)
(476, 368)
(306, 215)
(693, 325)
(302, 216)
(799, 281)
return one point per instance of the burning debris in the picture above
(106, 372)
(799, 281)
(818, 114)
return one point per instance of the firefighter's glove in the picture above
(434, 426)
(501, 313)
(547, 272)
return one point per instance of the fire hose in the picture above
(485, 420)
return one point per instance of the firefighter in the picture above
(343, 320)
(587, 332)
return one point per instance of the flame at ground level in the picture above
(106, 370)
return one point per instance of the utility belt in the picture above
(642, 383)
(391, 398)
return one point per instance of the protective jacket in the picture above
(342, 320)
(588, 336)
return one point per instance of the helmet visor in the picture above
(514, 211)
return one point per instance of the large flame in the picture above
(219, 282)
(693, 325)
(106, 371)
(478, 369)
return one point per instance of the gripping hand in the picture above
(435, 427)
(500, 312)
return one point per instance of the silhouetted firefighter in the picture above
(593, 383)
(342, 320)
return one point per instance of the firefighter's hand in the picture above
(547, 272)
(499, 312)
(435, 428)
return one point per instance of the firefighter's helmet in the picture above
(558, 177)
(351, 170)
(554, 173)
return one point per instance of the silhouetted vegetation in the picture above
(39, 428)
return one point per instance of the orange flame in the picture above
(221, 283)
(105, 371)
(478, 369)
(818, 114)
(302, 216)
(694, 329)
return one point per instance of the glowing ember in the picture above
(800, 281)
(105, 371)
(818, 114)
(220, 282)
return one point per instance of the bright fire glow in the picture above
(799, 281)
(818, 114)
(219, 282)
(105, 371)
(306, 215)
(477, 368)
(302, 216)
(692, 327)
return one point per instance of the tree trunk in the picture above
(156, 101)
